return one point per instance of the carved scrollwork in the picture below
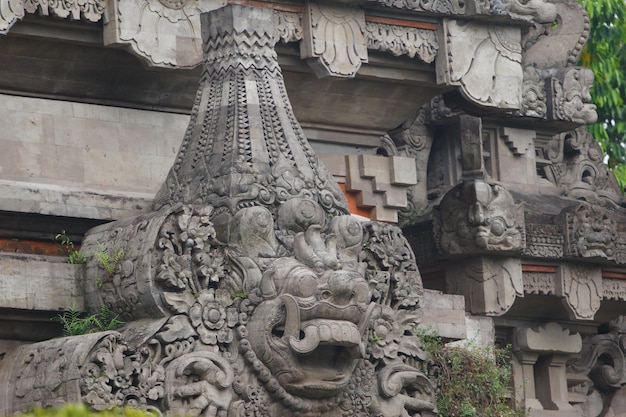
(90, 10)
(569, 96)
(10, 12)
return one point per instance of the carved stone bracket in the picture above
(475, 217)
(490, 285)
(484, 61)
(334, 41)
(581, 288)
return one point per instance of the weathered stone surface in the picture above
(40, 283)
(10, 12)
(550, 337)
(581, 288)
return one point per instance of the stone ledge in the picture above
(444, 314)
(43, 283)
(58, 200)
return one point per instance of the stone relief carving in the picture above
(569, 98)
(288, 26)
(590, 232)
(400, 40)
(163, 33)
(539, 283)
(603, 361)
(334, 41)
(613, 289)
(581, 289)
(90, 10)
(557, 36)
(475, 216)
(578, 169)
(454, 7)
(534, 99)
(468, 49)
(490, 285)
(259, 294)
(544, 241)
(10, 12)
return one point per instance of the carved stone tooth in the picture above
(308, 343)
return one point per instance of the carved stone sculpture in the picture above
(569, 98)
(475, 217)
(591, 232)
(578, 169)
(249, 291)
(581, 288)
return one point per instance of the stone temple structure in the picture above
(454, 129)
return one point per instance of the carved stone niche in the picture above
(250, 291)
(490, 284)
(478, 217)
(484, 61)
(539, 368)
(603, 362)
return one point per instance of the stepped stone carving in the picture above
(334, 41)
(578, 170)
(475, 217)
(381, 183)
(249, 291)
(468, 49)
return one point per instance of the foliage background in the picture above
(605, 54)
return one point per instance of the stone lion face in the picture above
(309, 330)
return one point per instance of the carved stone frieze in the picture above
(90, 10)
(580, 286)
(334, 41)
(475, 217)
(534, 11)
(539, 283)
(484, 61)
(10, 12)
(453, 7)
(577, 168)
(490, 285)
(251, 291)
(590, 232)
(613, 289)
(401, 40)
(568, 96)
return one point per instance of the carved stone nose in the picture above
(341, 287)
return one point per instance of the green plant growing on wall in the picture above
(76, 323)
(67, 246)
(109, 258)
(471, 381)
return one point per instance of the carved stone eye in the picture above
(326, 295)
(305, 286)
(498, 226)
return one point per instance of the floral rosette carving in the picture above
(191, 256)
